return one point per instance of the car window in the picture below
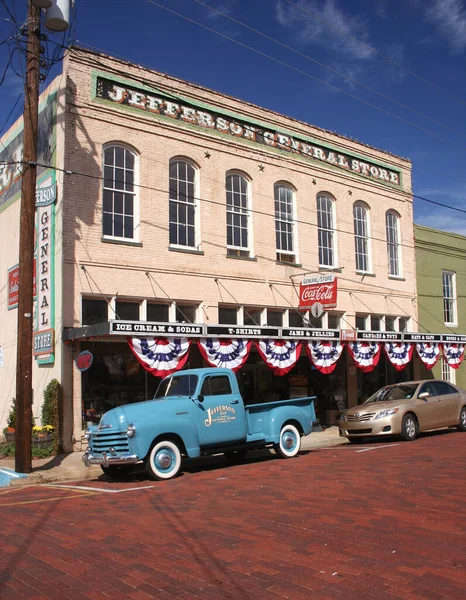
(180, 385)
(216, 386)
(445, 388)
(429, 387)
(402, 391)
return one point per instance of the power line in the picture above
(218, 203)
(345, 76)
(308, 75)
(375, 51)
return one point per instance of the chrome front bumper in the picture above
(106, 459)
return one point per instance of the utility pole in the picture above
(23, 455)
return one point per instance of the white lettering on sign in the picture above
(143, 100)
(323, 292)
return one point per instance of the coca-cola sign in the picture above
(318, 288)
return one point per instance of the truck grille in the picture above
(102, 441)
(357, 419)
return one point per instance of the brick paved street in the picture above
(378, 521)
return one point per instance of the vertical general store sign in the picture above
(44, 337)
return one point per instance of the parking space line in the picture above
(377, 447)
(95, 489)
(39, 500)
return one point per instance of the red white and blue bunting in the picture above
(231, 354)
(399, 353)
(324, 354)
(160, 356)
(429, 353)
(280, 355)
(365, 354)
(454, 354)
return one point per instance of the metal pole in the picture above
(23, 458)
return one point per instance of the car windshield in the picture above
(402, 391)
(179, 385)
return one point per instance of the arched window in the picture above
(182, 204)
(284, 222)
(392, 226)
(119, 196)
(237, 197)
(326, 230)
(361, 236)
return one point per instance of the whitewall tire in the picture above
(289, 443)
(164, 460)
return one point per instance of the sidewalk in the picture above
(69, 467)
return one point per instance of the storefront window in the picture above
(252, 316)
(127, 311)
(375, 323)
(314, 322)
(390, 323)
(361, 322)
(186, 313)
(403, 324)
(227, 316)
(334, 321)
(158, 313)
(275, 318)
(295, 319)
(94, 311)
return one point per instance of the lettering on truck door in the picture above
(220, 417)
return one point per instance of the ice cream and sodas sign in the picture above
(318, 288)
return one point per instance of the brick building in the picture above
(173, 203)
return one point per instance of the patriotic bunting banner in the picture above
(324, 354)
(429, 353)
(160, 356)
(365, 354)
(231, 354)
(454, 354)
(399, 353)
(279, 355)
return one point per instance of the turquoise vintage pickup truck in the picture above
(194, 413)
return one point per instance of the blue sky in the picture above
(361, 41)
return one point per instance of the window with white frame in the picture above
(448, 374)
(361, 236)
(326, 230)
(237, 196)
(119, 211)
(284, 223)
(393, 243)
(183, 204)
(361, 321)
(449, 297)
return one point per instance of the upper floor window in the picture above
(94, 310)
(119, 196)
(361, 237)
(393, 243)
(326, 231)
(183, 204)
(238, 235)
(284, 224)
(449, 297)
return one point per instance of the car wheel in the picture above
(290, 442)
(462, 421)
(408, 428)
(117, 471)
(164, 460)
(355, 440)
(236, 455)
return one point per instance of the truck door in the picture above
(221, 418)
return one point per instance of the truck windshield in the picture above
(394, 392)
(179, 385)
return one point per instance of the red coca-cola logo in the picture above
(325, 293)
(84, 360)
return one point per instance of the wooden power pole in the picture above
(23, 457)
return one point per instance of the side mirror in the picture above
(200, 398)
(424, 395)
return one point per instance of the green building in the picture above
(441, 287)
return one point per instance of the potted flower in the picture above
(42, 436)
(9, 431)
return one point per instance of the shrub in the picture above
(50, 412)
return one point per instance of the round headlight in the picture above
(131, 430)
(87, 434)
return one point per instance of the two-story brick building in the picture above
(175, 204)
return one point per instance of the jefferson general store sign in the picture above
(209, 118)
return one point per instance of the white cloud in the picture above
(313, 31)
(445, 220)
(449, 18)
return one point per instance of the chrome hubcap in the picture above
(463, 418)
(288, 441)
(410, 428)
(164, 459)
